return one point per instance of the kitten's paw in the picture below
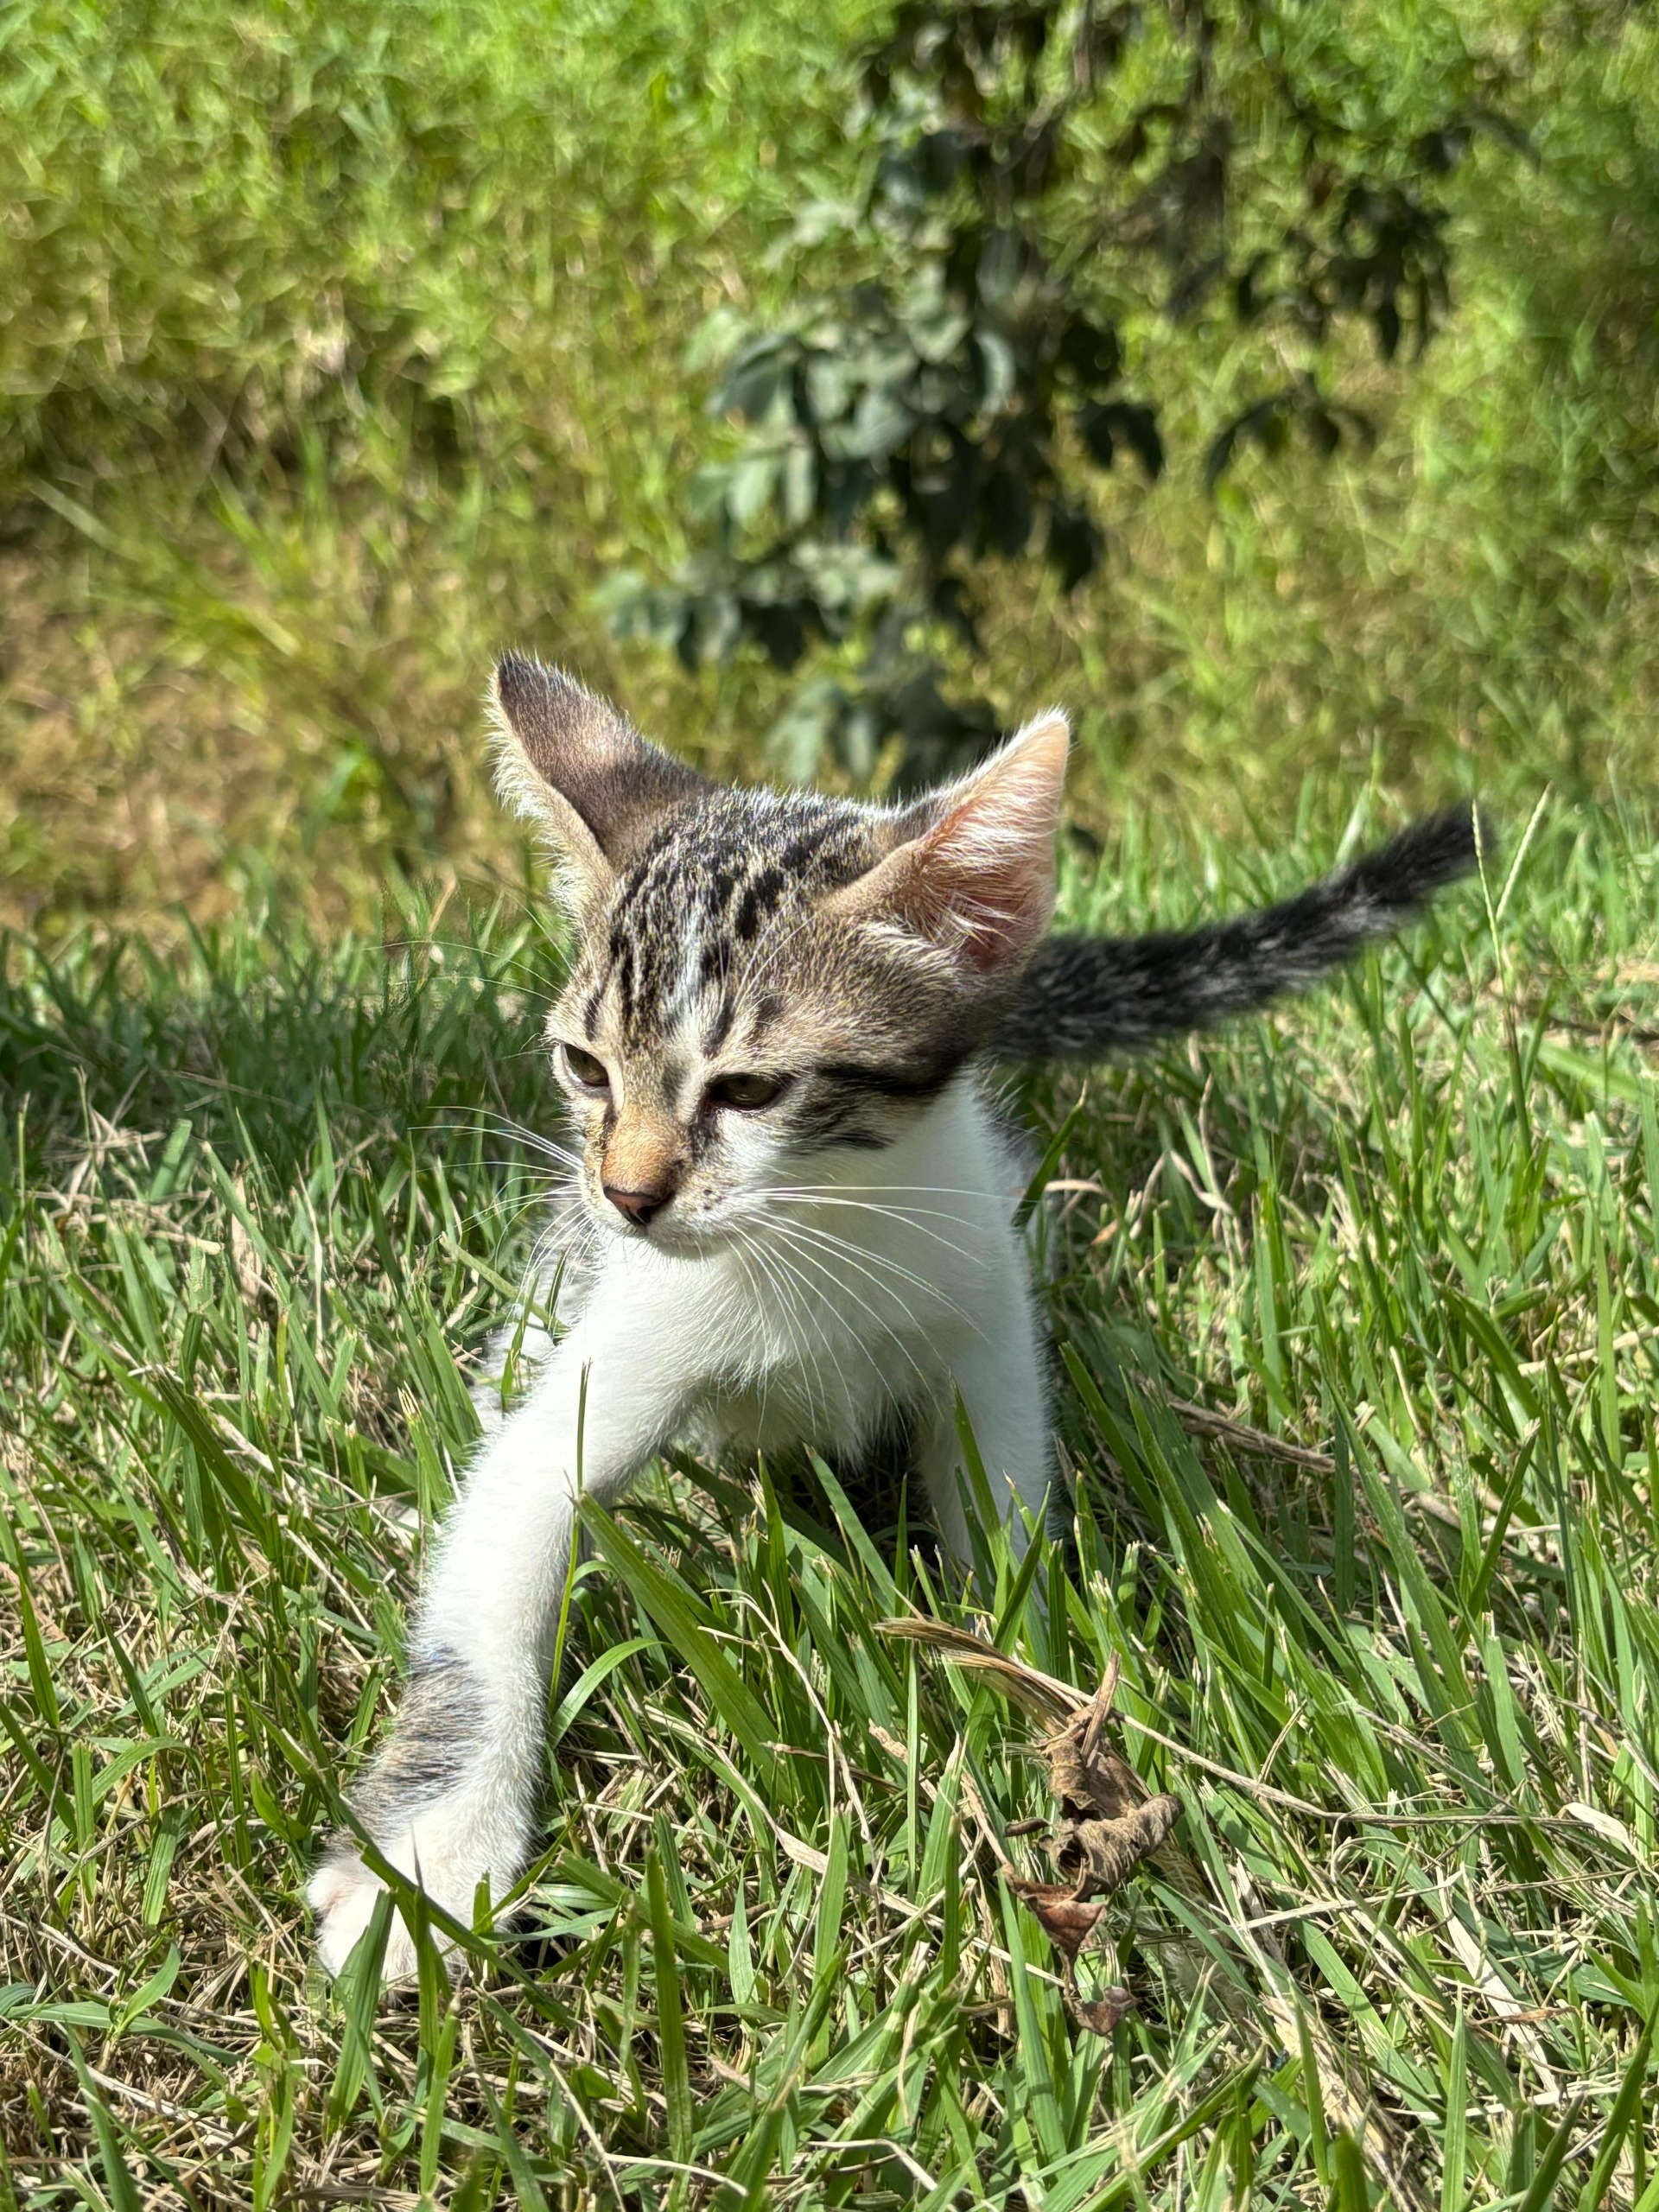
(440, 1852)
(341, 1893)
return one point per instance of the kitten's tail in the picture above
(1085, 996)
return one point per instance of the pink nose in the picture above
(639, 1207)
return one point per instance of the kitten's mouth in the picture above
(669, 1233)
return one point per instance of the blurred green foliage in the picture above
(950, 373)
(339, 347)
(232, 233)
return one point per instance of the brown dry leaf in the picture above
(1106, 2012)
(1107, 1823)
(1090, 1776)
(1103, 1853)
(1067, 1922)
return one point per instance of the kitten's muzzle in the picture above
(643, 1163)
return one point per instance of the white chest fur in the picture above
(872, 1288)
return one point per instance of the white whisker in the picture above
(906, 1216)
(805, 1258)
(800, 1318)
(499, 1125)
(868, 1259)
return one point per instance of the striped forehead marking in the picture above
(707, 887)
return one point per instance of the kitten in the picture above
(792, 1222)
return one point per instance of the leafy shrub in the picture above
(955, 372)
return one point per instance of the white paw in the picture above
(341, 1893)
(441, 1853)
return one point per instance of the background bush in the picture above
(338, 347)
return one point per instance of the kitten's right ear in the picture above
(971, 867)
(572, 763)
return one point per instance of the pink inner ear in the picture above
(992, 904)
(983, 877)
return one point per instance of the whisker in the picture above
(501, 1125)
(761, 1205)
(906, 1216)
(810, 1294)
(806, 1256)
(861, 1254)
(480, 1215)
(945, 1190)
(800, 1322)
(833, 1261)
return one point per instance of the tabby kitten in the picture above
(793, 1221)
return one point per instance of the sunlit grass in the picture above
(342, 347)
(255, 1207)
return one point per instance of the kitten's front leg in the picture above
(451, 1798)
(1000, 1380)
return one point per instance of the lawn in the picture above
(1355, 1307)
(261, 1201)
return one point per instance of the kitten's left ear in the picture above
(974, 872)
(571, 762)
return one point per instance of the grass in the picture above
(257, 1202)
(344, 346)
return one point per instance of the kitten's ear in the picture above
(572, 763)
(973, 872)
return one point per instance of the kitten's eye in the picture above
(588, 1072)
(748, 1093)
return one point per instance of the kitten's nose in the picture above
(638, 1206)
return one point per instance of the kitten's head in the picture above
(764, 980)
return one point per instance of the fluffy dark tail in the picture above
(1085, 996)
